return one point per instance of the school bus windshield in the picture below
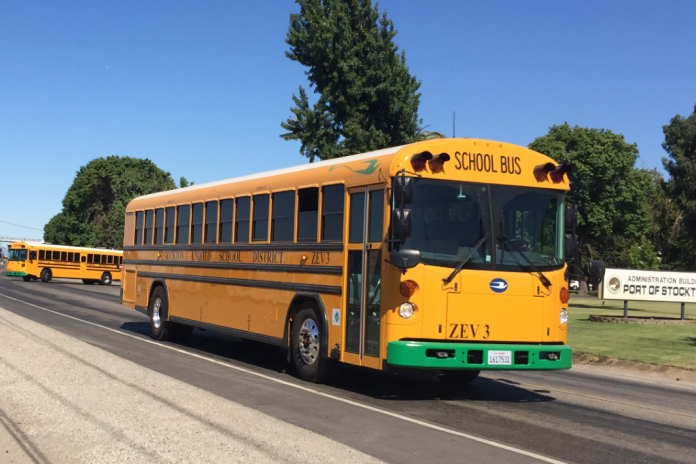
(450, 218)
(17, 255)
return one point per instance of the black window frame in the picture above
(139, 222)
(183, 224)
(335, 215)
(223, 222)
(196, 236)
(148, 230)
(159, 226)
(169, 226)
(210, 226)
(243, 224)
(283, 221)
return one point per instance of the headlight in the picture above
(406, 310)
(563, 316)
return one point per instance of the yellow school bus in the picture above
(445, 254)
(34, 261)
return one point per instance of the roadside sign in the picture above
(640, 285)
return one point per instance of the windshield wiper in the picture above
(542, 277)
(465, 260)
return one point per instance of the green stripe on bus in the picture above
(18, 274)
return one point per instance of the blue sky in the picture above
(201, 88)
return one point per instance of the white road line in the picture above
(309, 390)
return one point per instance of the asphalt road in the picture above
(581, 415)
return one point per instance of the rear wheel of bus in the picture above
(307, 349)
(46, 275)
(162, 329)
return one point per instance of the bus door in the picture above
(364, 272)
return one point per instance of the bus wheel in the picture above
(46, 275)
(162, 329)
(306, 347)
(459, 376)
(26, 278)
(105, 279)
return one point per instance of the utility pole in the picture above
(452, 124)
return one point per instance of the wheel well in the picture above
(156, 284)
(298, 300)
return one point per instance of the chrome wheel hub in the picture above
(309, 341)
(156, 307)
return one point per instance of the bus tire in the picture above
(162, 329)
(306, 347)
(26, 278)
(105, 279)
(459, 376)
(46, 275)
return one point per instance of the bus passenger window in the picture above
(307, 214)
(357, 217)
(376, 217)
(56, 256)
(32, 254)
(84, 259)
(332, 213)
(120, 260)
(260, 226)
(211, 216)
(159, 224)
(89, 258)
(70, 257)
(42, 254)
(241, 232)
(138, 228)
(149, 216)
(77, 257)
(110, 259)
(197, 223)
(283, 221)
(169, 230)
(226, 218)
(183, 215)
(64, 256)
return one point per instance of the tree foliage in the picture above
(367, 99)
(611, 194)
(676, 205)
(94, 207)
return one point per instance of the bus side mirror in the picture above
(404, 259)
(597, 269)
(401, 224)
(403, 189)
(571, 218)
(571, 248)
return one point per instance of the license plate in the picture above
(499, 358)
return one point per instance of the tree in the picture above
(367, 98)
(611, 194)
(183, 182)
(94, 207)
(680, 191)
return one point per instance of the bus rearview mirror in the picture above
(571, 218)
(403, 190)
(597, 269)
(570, 248)
(404, 259)
(401, 224)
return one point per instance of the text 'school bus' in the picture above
(93, 265)
(445, 254)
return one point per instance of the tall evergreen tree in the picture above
(94, 207)
(367, 98)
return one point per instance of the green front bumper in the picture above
(19, 274)
(439, 355)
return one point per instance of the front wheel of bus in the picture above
(105, 279)
(46, 275)
(162, 329)
(307, 350)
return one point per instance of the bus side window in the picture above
(42, 254)
(64, 256)
(332, 213)
(226, 220)
(260, 226)
(120, 260)
(84, 259)
(211, 218)
(197, 223)
(307, 214)
(32, 254)
(169, 229)
(138, 228)
(56, 256)
(110, 260)
(283, 220)
(183, 218)
(149, 216)
(159, 224)
(77, 257)
(241, 232)
(70, 257)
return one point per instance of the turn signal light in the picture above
(408, 288)
(437, 163)
(565, 295)
(418, 161)
(541, 171)
(558, 173)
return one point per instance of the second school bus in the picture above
(444, 255)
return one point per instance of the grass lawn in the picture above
(661, 344)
